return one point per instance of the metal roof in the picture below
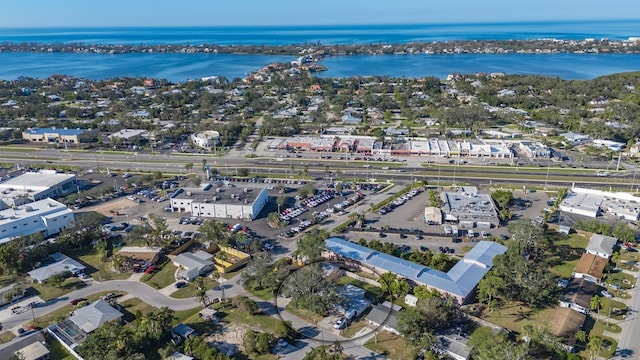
(63, 132)
(61, 264)
(90, 317)
(461, 280)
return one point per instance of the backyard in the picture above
(391, 345)
(568, 250)
(99, 270)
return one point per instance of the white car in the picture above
(606, 294)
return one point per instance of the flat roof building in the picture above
(221, 200)
(53, 135)
(33, 186)
(469, 207)
(47, 216)
(591, 203)
(206, 139)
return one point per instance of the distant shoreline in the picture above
(319, 51)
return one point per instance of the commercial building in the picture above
(535, 150)
(591, 203)
(460, 282)
(47, 216)
(53, 135)
(128, 136)
(470, 208)
(206, 139)
(33, 186)
(221, 200)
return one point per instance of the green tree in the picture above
(201, 292)
(9, 259)
(487, 345)
(595, 346)
(311, 245)
(503, 198)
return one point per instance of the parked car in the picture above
(606, 294)
(77, 301)
(83, 276)
(282, 343)
(110, 296)
(150, 269)
(180, 284)
(340, 324)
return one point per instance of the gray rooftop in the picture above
(601, 244)
(90, 317)
(384, 314)
(191, 261)
(468, 205)
(9, 348)
(221, 192)
(40, 180)
(61, 263)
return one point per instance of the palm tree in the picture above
(217, 276)
(596, 303)
(201, 292)
(204, 166)
(595, 344)
(188, 166)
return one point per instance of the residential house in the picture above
(92, 316)
(193, 265)
(590, 267)
(179, 356)
(30, 346)
(149, 254)
(183, 331)
(601, 245)
(58, 264)
(384, 316)
(357, 303)
(566, 324)
(452, 344)
(577, 295)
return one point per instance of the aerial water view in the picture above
(328, 181)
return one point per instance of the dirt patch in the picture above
(118, 205)
(230, 334)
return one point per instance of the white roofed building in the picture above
(47, 216)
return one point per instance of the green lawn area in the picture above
(353, 329)
(514, 316)
(567, 254)
(392, 346)
(165, 276)
(264, 294)
(131, 306)
(47, 292)
(258, 322)
(610, 307)
(625, 280)
(99, 270)
(304, 314)
(189, 290)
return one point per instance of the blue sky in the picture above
(92, 13)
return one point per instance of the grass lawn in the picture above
(57, 351)
(264, 294)
(189, 290)
(392, 346)
(610, 306)
(514, 316)
(165, 276)
(567, 254)
(625, 280)
(353, 329)
(131, 306)
(51, 292)
(100, 270)
(258, 322)
(600, 326)
(6, 336)
(183, 315)
(304, 314)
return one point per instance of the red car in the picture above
(150, 269)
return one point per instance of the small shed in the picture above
(563, 229)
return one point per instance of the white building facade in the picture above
(47, 216)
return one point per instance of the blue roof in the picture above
(461, 280)
(67, 132)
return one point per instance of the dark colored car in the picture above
(77, 301)
(180, 284)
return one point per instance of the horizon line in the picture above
(321, 25)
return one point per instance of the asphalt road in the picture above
(629, 346)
